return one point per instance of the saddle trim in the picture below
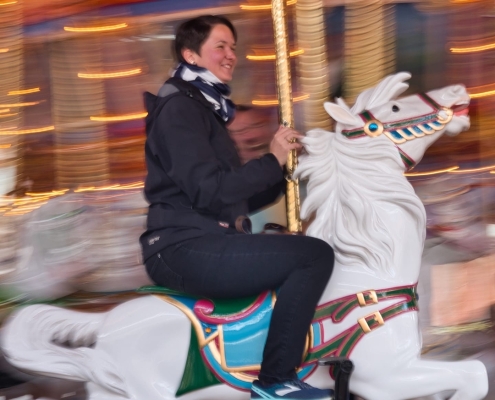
(202, 339)
(204, 310)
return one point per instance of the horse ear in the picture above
(340, 114)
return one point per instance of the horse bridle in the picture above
(406, 129)
(403, 130)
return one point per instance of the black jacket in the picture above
(196, 183)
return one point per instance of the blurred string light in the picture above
(481, 94)
(47, 194)
(464, 1)
(473, 49)
(434, 172)
(126, 117)
(8, 115)
(30, 202)
(272, 56)
(468, 171)
(7, 3)
(119, 74)
(136, 185)
(263, 6)
(6, 110)
(25, 91)
(275, 102)
(4, 50)
(453, 170)
(5, 146)
(32, 103)
(95, 28)
(27, 131)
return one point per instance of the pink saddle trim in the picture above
(204, 308)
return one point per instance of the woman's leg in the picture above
(229, 266)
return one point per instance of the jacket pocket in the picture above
(162, 274)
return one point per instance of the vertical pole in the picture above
(284, 89)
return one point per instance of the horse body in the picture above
(369, 213)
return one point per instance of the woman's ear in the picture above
(189, 56)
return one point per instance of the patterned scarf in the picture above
(216, 92)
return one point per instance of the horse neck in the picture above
(404, 220)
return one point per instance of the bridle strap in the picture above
(390, 128)
(345, 342)
(404, 130)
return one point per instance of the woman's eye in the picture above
(395, 108)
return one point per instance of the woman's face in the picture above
(217, 53)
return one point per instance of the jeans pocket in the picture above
(163, 275)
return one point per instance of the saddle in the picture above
(227, 337)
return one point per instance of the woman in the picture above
(199, 194)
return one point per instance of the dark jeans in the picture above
(230, 266)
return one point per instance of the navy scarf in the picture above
(216, 92)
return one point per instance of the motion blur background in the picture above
(72, 76)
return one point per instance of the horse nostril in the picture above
(395, 108)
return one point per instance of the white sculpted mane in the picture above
(343, 176)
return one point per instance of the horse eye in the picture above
(395, 108)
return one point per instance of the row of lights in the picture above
(108, 75)
(5, 112)
(271, 57)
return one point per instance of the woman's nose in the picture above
(231, 55)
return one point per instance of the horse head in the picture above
(357, 187)
(379, 112)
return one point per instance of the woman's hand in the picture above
(283, 142)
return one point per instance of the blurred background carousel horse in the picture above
(164, 344)
(77, 241)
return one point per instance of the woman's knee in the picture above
(320, 249)
(320, 253)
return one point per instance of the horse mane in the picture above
(350, 183)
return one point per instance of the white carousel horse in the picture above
(156, 347)
(77, 241)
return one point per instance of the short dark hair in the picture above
(193, 33)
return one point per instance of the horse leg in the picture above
(421, 378)
(148, 339)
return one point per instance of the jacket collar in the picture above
(189, 90)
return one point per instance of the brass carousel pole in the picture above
(280, 32)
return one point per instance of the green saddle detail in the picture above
(196, 373)
(222, 306)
